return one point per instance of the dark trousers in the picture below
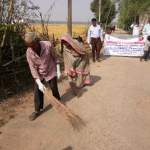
(146, 54)
(101, 45)
(96, 43)
(38, 95)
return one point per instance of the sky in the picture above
(80, 9)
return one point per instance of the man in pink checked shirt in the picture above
(43, 62)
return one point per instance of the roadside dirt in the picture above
(116, 108)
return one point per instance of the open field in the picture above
(59, 29)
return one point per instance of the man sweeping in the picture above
(43, 62)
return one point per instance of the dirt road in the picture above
(116, 108)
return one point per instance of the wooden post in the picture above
(70, 17)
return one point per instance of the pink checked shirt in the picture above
(43, 67)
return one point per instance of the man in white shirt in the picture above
(146, 29)
(135, 28)
(95, 35)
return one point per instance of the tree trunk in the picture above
(9, 11)
(108, 14)
(99, 10)
(135, 18)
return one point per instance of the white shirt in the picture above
(94, 32)
(147, 45)
(135, 29)
(146, 29)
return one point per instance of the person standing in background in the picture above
(146, 49)
(95, 35)
(146, 29)
(135, 26)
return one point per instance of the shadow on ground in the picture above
(68, 148)
(104, 57)
(47, 108)
(69, 95)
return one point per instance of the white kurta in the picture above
(135, 30)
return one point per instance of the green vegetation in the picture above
(130, 10)
(108, 10)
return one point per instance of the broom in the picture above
(74, 87)
(75, 121)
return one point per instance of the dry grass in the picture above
(59, 29)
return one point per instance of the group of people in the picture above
(137, 28)
(44, 65)
(44, 61)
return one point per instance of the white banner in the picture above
(124, 46)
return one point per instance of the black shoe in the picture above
(33, 116)
(98, 60)
(94, 61)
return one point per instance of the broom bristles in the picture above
(75, 121)
(74, 88)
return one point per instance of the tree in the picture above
(106, 5)
(130, 10)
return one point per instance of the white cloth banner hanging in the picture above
(124, 46)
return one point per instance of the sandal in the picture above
(33, 116)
